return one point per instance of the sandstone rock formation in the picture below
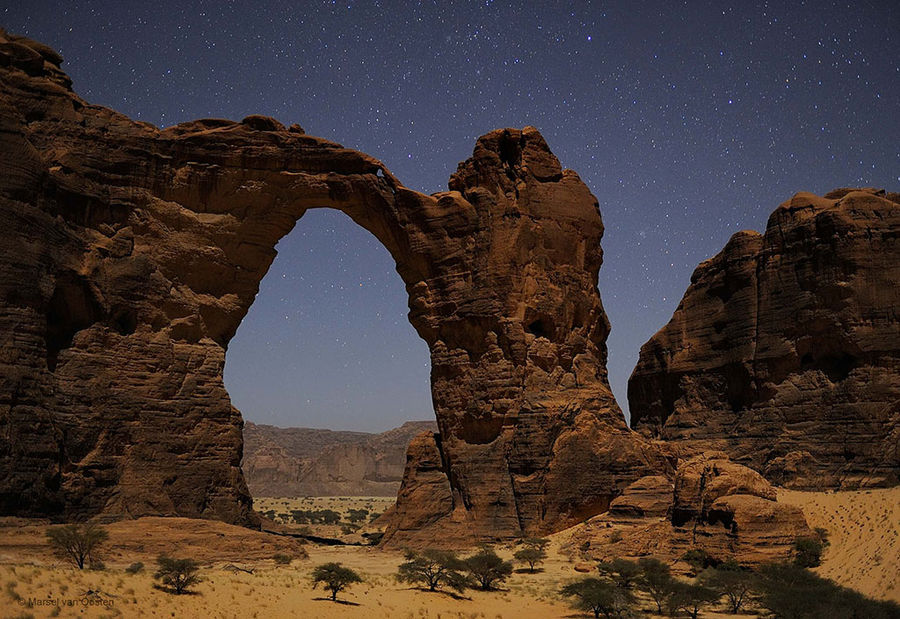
(785, 350)
(308, 462)
(130, 254)
(648, 497)
(713, 504)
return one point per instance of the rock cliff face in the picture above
(785, 350)
(307, 462)
(130, 254)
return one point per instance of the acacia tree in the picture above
(487, 568)
(731, 581)
(335, 577)
(433, 568)
(600, 597)
(691, 598)
(180, 574)
(536, 542)
(656, 580)
(622, 572)
(77, 543)
(531, 555)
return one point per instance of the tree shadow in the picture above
(344, 602)
(450, 594)
(525, 570)
(171, 590)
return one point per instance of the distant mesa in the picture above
(309, 462)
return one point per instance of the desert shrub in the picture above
(792, 592)
(334, 577)
(434, 569)
(690, 598)
(179, 574)
(808, 551)
(656, 580)
(487, 568)
(698, 559)
(822, 535)
(357, 515)
(77, 543)
(374, 538)
(11, 591)
(600, 597)
(532, 555)
(283, 559)
(97, 565)
(621, 572)
(134, 568)
(315, 516)
(374, 517)
(615, 537)
(729, 580)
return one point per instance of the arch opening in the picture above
(327, 342)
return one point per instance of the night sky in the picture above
(689, 122)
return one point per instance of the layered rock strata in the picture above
(130, 254)
(785, 350)
(712, 504)
(307, 462)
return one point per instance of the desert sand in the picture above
(862, 526)
(864, 534)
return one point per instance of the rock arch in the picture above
(162, 238)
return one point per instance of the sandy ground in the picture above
(863, 528)
(864, 534)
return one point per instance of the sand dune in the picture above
(864, 535)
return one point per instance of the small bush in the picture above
(616, 537)
(97, 565)
(808, 551)
(283, 559)
(357, 515)
(11, 591)
(698, 559)
(134, 568)
(179, 574)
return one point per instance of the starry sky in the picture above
(688, 120)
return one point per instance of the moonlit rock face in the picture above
(129, 255)
(783, 352)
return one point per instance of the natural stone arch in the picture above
(138, 251)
